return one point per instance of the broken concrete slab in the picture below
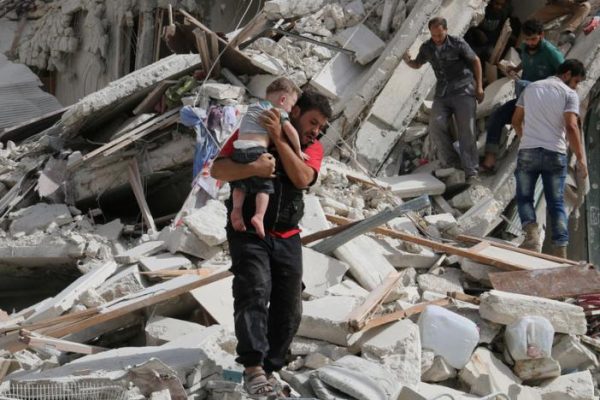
(314, 219)
(439, 371)
(429, 391)
(126, 281)
(536, 369)
(575, 386)
(41, 251)
(571, 354)
(111, 231)
(414, 185)
(496, 94)
(337, 76)
(222, 91)
(276, 9)
(326, 319)
(398, 347)
(68, 296)
(160, 330)
(477, 272)
(320, 272)
(208, 222)
(366, 45)
(347, 288)
(136, 253)
(164, 261)
(486, 374)
(448, 280)
(303, 346)
(505, 308)
(39, 217)
(181, 239)
(217, 299)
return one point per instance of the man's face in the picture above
(308, 124)
(498, 5)
(571, 80)
(533, 42)
(438, 34)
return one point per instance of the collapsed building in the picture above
(114, 257)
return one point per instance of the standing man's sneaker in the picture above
(559, 251)
(532, 237)
(566, 37)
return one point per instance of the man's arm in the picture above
(292, 134)
(414, 64)
(574, 138)
(225, 169)
(517, 120)
(479, 93)
(295, 168)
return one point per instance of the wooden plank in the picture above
(367, 182)
(442, 247)
(358, 317)
(135, 180)
(128, 135)
(256, 25)
(313, 237)
(36, 340)
(214, 54)
(501, 43)
(202, 46)
(152, 98)
(479, 247)
(172, 273)
(551, 283)
(52, 321)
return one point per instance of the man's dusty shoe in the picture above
(559, 251)
(532, 237)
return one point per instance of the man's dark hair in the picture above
(311, 100)
(532, 27)
(574, 66)
(438, 21)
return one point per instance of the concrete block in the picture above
(268, 63)
(398, 347)
(320, 272)
(366, 45)
(217, 299)
(477, 272)
(571, 354)
(482, 218)
(136, 253)
(439, 371)
(222, 91)
(337, 76)
(414, 185)
(160, 330)
(316, 361)
(326, 319)
(164, 261)
(486, 374)
(127, 280)
(538, 368)
(208, 222)
(347, 288)
(505, 308)
(299, 381)
(429, 391)
(450, 280)
(67, 297)
(302, 347)
(496, 94)
(182, 240)
(575, 386)
(111, 231)
(276, 9)
(38, 217)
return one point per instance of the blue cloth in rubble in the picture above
(206, 145)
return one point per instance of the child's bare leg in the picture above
(262, 201)
(237, 218)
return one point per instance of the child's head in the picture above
(283, 93)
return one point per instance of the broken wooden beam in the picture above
(501, 43)
(203, 50)
(35, 340)
(358, 317)
(135, 179)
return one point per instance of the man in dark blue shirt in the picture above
(459, 83)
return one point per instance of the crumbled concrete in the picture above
(448, 280)
(160, 330)
(320, 272)
(398, 347)
(208, 223)
(338, 75)
(111, 231)
(439, 371)
(325, 319)
(302, 347)
(535, 369)
(477, 272)
(39, 217)
(414, 185)
(126, 281)
(182, 240)
(505, 308)
(486, 374)
(316, 361)
(164, 261)
(496, 94)
(347, 288)
(313, 219)
(136, 253)
(575, 386)
(571, 354)
(276, 9)
(366, 45)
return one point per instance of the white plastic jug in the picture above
(529, 337)
(448, 335)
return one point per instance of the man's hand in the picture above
(479, 94)
(265, 166)
(168, 32)
(581, 169)
(271, 120)
(406, 57)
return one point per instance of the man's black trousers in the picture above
(267, 289)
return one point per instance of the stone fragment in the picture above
(538, 368)
(164, 261)
(439, 371)
(326, 319)
(111, 231)
(413, 185)
(38, 217)
(316, 361)
(216, 299)
(486, 374)
(181, 239)
(450, 280)
(208, 222)
(496, 94)
(505, 308)
(575, 386)
(276, 9)
(347, 288)
(337, 76)
(366, 45)
(302, 347)
(126, 281)
(222, 91)
(571, 354)
(160, 330)
(320, 272)
(136, 253)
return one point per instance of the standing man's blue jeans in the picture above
(552, 166)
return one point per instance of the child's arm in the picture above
(294, 138)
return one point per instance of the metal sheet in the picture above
(550, 283)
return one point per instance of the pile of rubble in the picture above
(145, 308)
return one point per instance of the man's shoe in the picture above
(559, 251)
(532, 237)
(566, 37)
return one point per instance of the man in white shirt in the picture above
(546, 121)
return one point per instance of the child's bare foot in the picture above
(257, 223)
(237, 220)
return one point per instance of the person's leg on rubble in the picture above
(285, 309)
(499, 118)
(250, 265)
(439, 134)
(464, 108)
(554, 174)
(529, 167)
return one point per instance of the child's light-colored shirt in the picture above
(251, 120)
